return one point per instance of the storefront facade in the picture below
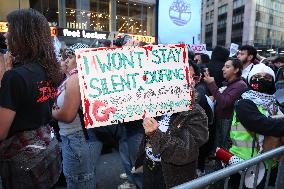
(87, 20)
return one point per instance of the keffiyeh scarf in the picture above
(266, 101)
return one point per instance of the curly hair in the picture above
(29, 40)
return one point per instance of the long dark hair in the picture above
(29, 40)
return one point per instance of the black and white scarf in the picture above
(266, 101)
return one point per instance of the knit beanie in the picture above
(259, 68)
(71, 49)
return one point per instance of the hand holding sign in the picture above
(150, 125)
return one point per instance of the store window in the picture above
(134, 17)
(49, 8)
(87, 14)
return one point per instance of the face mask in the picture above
(262, 85)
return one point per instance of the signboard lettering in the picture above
(129, 83)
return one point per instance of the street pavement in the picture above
(108, 171)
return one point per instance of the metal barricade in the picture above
(203, 182)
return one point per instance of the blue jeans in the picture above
(123, 150)
(79, 160)
(134, 138)
(222, 133)
(128, 148)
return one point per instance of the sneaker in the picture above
(200, 173)
(123, 176)
(137, 171)
(126, 185)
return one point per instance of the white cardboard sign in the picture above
(233, 49)
(131, 83)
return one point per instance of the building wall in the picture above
(229, 23)
(249, 22)
(207, 18)
(269, 23)
(254, 22)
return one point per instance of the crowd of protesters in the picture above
(233, 98)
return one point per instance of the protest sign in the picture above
(233, 49)
(130, 83)
(201, 48)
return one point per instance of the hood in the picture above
(220, 54)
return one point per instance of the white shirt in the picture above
(246, 71)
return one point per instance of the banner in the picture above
(233, 49)
(131, 83)
(179, 21)
(198, 48)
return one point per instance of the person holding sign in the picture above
(172, 146)
(80, 149)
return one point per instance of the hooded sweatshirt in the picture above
(219, 56)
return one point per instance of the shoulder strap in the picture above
(248, 74)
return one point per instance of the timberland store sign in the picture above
(66, 32)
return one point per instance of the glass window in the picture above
(208, 27)
(238, 3)
(222, 23)
(48, 8)
(207, 16)
(222, 9)
(212, 14)
(237, 18)
(87, 14)
(136, 18)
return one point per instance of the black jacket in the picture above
(250, 117)
(179, 146)
(219, 56)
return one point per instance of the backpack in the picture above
(30, 159)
